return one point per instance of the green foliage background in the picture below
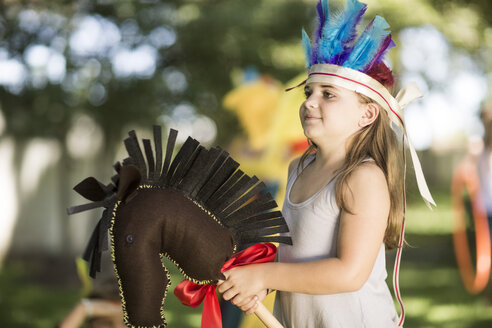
(215, 39)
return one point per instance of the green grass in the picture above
(25, 303)
(435, 297)
(423, 221)
(430, 284)
(30, 304)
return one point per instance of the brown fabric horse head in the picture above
(196, 209)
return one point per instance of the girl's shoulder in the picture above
(368, 171)
(294, 164)
(367, 181)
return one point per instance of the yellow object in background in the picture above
(255, 103)
(83, 273)
(270, 118)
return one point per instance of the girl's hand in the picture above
(242, 284)
(250, 307)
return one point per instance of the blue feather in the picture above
(338, 34)
(307, 47)
(323, 15)
(368, 45)
(326, 9)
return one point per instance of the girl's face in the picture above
(330, 112)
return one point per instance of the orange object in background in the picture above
(465, 177)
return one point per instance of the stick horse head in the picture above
(196, 209)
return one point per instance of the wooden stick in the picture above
(267, 317)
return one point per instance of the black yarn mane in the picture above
(210, 178)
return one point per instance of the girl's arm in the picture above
(360, 236)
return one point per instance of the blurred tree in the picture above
(200, 41)
(128, 63)
(61, 61)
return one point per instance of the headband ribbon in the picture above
(364, 84)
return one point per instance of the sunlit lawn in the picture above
(430, 284)
(25, 303)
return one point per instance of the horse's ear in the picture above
(129, 181)
(91, 189)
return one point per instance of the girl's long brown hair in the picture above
(379, 142)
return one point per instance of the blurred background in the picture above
(76, 76)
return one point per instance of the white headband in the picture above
(364, 84)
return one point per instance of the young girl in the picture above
(344, 200)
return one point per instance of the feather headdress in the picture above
(335, 40)
(338, 56)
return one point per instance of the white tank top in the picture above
(313, 226)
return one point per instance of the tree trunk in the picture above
(64, 189)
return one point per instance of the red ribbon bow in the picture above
(192, 294)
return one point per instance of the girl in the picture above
(344, 200)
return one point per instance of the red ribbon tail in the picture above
(211, 316)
